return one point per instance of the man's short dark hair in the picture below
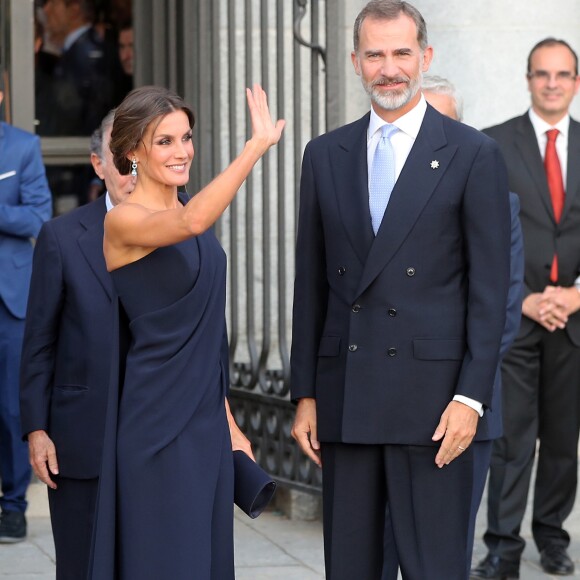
(390, 10)
(125, 25)
(548, 42)
(87, 8)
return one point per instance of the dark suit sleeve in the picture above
(45, 303)
(310, 288)
(35, 207)
(504, 136)
(515, 292)
(486, 223)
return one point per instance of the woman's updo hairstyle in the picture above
(133, 116)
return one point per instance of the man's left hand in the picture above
(457, 428)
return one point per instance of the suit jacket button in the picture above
(352, 347)
(341, 271)
(392, 352)
(356, 308)
(392, 312)
(410, 271)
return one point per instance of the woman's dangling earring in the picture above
(134, 167)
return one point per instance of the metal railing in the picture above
(264, 42)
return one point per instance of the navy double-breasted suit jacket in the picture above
(388, 329)
(67, 341)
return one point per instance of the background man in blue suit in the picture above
(65, 361)
(25, 203)
(398, 321)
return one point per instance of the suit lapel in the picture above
(412, 191)
(527, 145)
(91, 243)
(573, 170)
(348, 158)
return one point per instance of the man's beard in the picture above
(393, 100)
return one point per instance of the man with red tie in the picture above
(541, 372)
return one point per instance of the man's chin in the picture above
(390, 102)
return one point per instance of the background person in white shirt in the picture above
(541, 371)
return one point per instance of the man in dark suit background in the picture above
(397, 321)
(66, 361)
(25, 203)
(82, 75)
(541, 372)
(81, 87)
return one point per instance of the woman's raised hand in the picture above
(264, 132)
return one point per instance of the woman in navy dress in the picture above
(165, 507)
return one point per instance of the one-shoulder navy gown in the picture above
(165, 507)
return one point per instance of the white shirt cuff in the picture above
(577, 283)
(475, 405)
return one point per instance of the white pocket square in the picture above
(7, 174)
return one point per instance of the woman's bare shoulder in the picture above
(127, 212)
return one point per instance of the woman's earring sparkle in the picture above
(134, 167)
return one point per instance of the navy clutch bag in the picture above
(253, 487)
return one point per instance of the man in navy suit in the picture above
(25, 203)
(398, 321)
(65, 361)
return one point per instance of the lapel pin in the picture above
(434, 164)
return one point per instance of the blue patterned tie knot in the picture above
(382, 176)
(388, 130)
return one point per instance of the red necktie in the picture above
(556, 186)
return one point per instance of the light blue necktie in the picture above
(382, 176)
